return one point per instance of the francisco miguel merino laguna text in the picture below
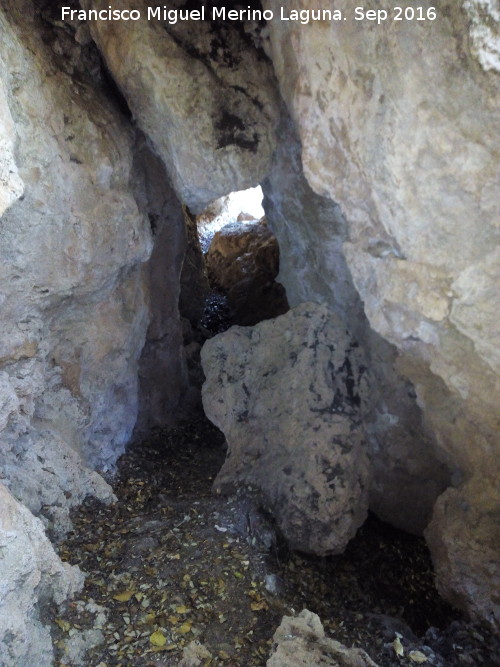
(216, 13)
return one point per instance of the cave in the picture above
(301, 403)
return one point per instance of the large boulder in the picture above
(411, 158)
(243, 262)
(406, 460)
(287, 395)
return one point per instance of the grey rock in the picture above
(408, 150)
(407, 466)
(212, 118)
(301, 642)
(286, 394)
(33, 578)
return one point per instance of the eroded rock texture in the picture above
(32, 579)
(408, 474)
(399, 126)
(301, 642)
(73, 306)
(201, 92)
(286, 393)
(243, 262)
(162, 370)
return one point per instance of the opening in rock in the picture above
(103, 158)
(244, 206)
(242, 261)
(174, 563)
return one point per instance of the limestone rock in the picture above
(11, 185)
(205, 99)
(32, 579)
(194, 655)
(485, 32)
(286, 393)
(408, 474)
(162, 370)
(243, 261)
(74, 314)
(301, 642)
(47, 476)
(411, 158)
(464, 536)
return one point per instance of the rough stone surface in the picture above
(300, 642)
(286, 393)
(466, 551)
(73, 307)
(485, 31)
(162, 371)
(203, 95)
(32, 578)
(73, 311)
(408, 475)
(411, 158)
(243, 262)
(47, 475)
(195, 655)
(11, 185)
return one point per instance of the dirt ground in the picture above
(170, 564)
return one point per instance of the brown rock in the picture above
(243, 261)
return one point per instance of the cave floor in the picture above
(171, 564)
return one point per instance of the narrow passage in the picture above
(171, 564)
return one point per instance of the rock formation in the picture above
(32, 579)
(202, 93)
(162, 369)
(73, 305)
(408, 474)
(242, 262)
(301, 642)
(399, 126)
(286, 393)
(381, 187)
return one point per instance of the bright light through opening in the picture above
(245, 206)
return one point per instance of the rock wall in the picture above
(84, 203)
(33, 578)
(201, 92)
(162, 371)
(399, 126)
(408, 472)
(73, 308)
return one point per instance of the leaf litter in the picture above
(171, 564)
